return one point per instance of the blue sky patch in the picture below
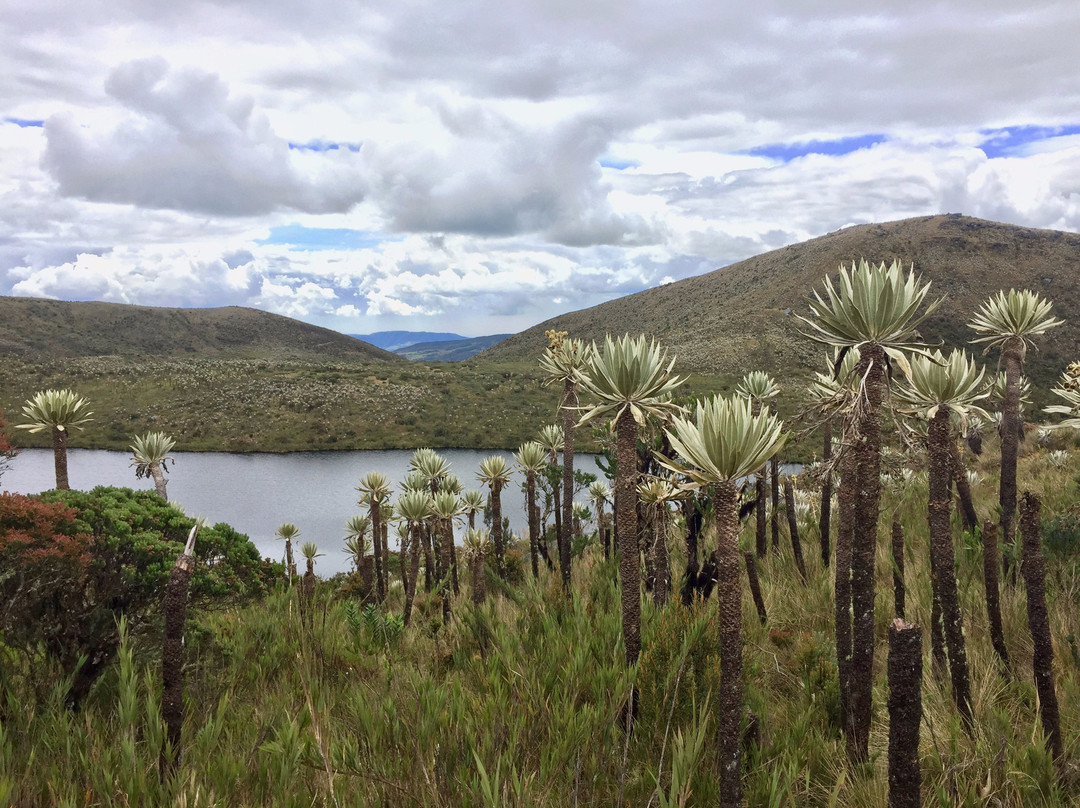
(25, 122)
(787, 152)
(1010, 141)
(324, 146)
(617, 163)
(322, 238)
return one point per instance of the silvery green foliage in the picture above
(62, 409)
(150, 449)
(757, 385)
(476, 543)
(564, 358)
(1068, 390)
(936, 381)
(551, 438)
(429, 464)
(722, 441)
(599, 492)
(629, 374)
(494, 469)
(871, 305)
(473, 502)
(287, 532)
(1013, 315)
(414, 507)
(531, 457)
(374, 485)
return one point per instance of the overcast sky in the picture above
(479, 167)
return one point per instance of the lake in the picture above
(255, 493)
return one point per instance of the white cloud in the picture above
(185, 143)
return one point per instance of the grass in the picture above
(263, 405)
(518, 702)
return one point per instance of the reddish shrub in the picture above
(7, 448)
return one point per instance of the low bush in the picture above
(76, 562)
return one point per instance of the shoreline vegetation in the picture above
(289, 405)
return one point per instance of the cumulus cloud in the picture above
(185, 143)
(491, 175)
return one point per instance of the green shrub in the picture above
(74, 563)
(1061, 534)
(680, 666)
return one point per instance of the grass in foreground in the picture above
(518, 702)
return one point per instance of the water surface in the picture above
(255, 493)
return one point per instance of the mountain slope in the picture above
(738, 318)
(33, 328)
(454, 350)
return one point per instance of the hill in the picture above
(454, 350)
(31, 328)
(740, 317)
(396, 340)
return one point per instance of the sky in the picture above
(480, 167)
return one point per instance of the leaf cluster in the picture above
(954, 382)
(629, 374)
(724, 441)
(149, 450)
(1013, 315)
(871, 305)
(61, 409)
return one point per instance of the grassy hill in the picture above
(50, 329)
(739, 317)
(235, 379)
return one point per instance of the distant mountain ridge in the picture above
(431, 346)
(396, 340)
(33, 328)
(740, 317)
(451, 350)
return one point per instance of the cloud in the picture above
(491, 175)
(490, 165)
(185, 143)
(167, 277)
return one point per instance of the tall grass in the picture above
(518, 702)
